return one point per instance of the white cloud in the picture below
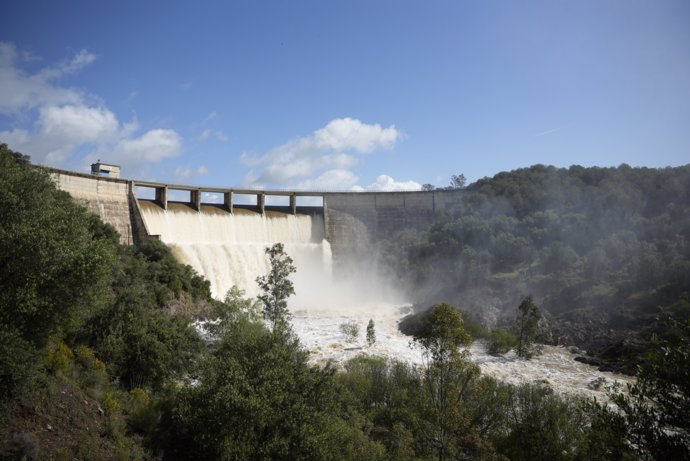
(385, 183)
(151, 147)
(331, 180)
(59, 130)
(207, 197)
(54, 122)
(189, 172)
(208, 132)
(351, 134)
(79, 124)
(328, 148)
(205, 134)
(77, 63)
(19, 92)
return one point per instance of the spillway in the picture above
(229, 248)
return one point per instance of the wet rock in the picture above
(597, 383)
(588, 360)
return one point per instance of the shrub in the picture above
(371, 333)
(92, 372)
(501, 342)
(115, 427)
(143, 413)
(350, 330)
(59, 357)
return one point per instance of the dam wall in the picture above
(351, 221)
(355, 220)
(110, 198)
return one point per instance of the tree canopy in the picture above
(276, 286)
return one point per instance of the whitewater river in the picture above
(320, 334)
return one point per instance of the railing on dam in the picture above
(162, 195)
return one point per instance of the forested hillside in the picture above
(604, 251)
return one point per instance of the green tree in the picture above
(276, 287)
(258, 398)
(501, 342)
(448, 376)
(371, 333)
(656, 407)
(542, 426)
(457, 181)
(56, 262)
(526, 322)
(143, 344)
(235, 306)
(383, 396)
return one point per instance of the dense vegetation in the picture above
(99, 361)
(605, 252)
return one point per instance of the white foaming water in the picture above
(555, 366)
(229, 249)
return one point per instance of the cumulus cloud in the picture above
(345, 180)
(19, 92)
(61, 129)
(78, 124)
(151, 147)
(330, 148)
(385, 183)
(331, 180)
(55, 122)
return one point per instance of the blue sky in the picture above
(341, 95)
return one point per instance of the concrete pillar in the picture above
(162, 196)
(227, 200)
(293, 204)
(261, 202)
(326, 218)
(195, 198)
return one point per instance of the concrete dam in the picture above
(223, 232)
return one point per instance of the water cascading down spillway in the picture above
(229, 248)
